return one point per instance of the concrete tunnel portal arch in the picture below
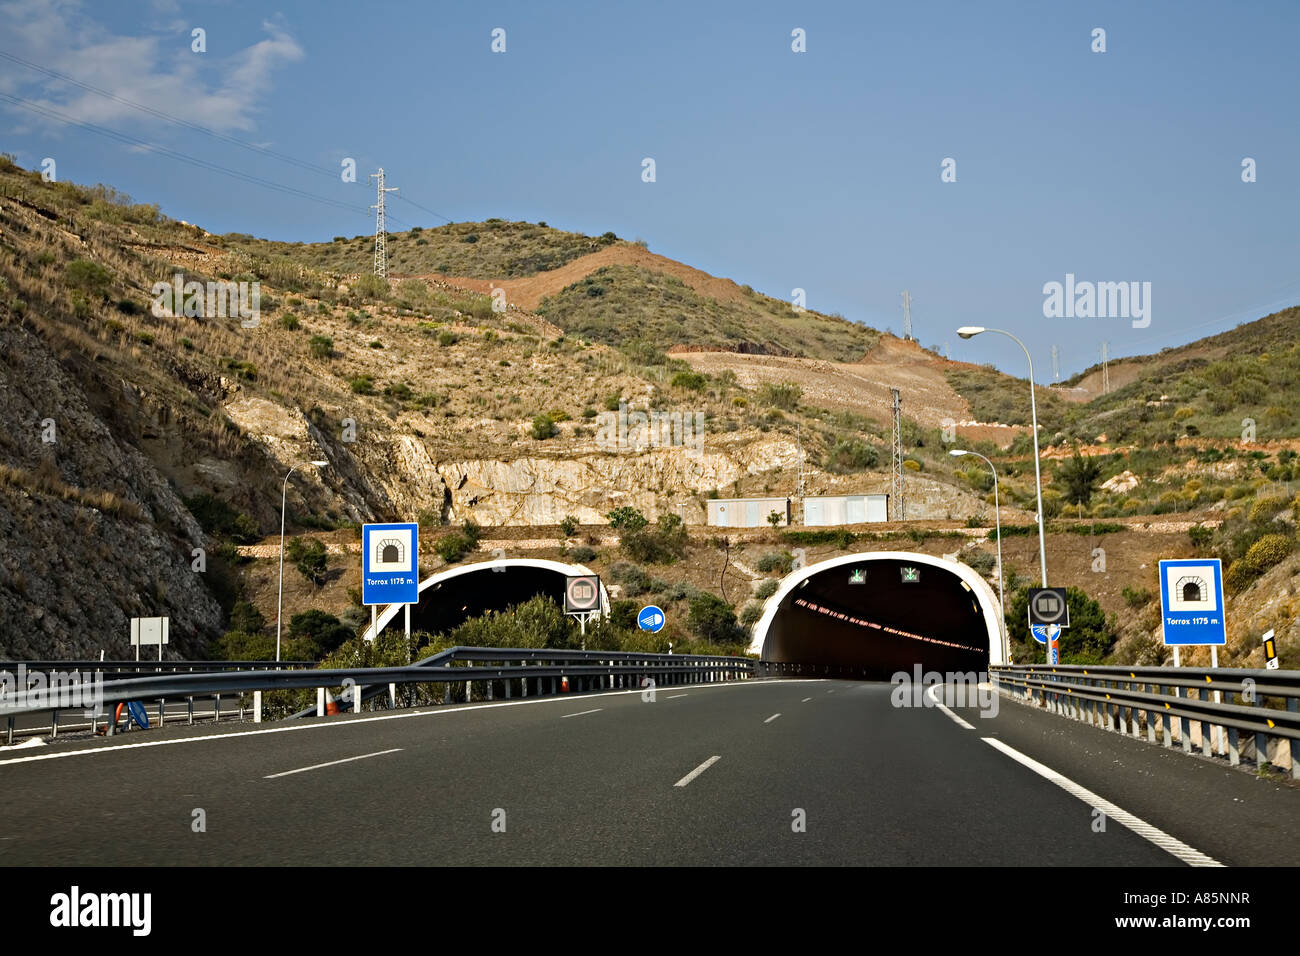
(453, 596)
(873, 614)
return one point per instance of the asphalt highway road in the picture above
(721, 774)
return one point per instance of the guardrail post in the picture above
(320, 701)
(216, 711)
(257, 706)
(1234, 751)
(10, 733)
(189, 706)
(1293, 704)
(1151, 716)
(392, 697)
(469, 691)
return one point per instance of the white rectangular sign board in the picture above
(149, 631)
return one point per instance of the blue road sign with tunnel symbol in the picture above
(1191, 602)
(389, 572)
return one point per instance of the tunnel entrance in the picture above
(451, 597)
(869, 616)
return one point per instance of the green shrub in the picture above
(321, 346)
(543, 427)
(309, 557)
(371, 287)
(290, 322)
(1267, 552)
(693, 381)
(88, 277)
(626, 519)
(713, 619)
(766, 589)
(569, 526)
(582, 554)
(784, 395)
(1137, 597)
(981, 561)
(850, 455)
(662, 543)
(242, 646)
(398, 391)
(750, 614)
(781, 561)
(362, 385)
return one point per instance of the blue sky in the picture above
(817, 170)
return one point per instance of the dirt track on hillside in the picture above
(528, 292)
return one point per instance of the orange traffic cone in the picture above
(331, 705)
(564, 685)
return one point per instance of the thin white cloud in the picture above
(156, 70)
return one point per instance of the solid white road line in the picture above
(698, 770)
(929, 692)
(772, 718)
(805, 700)
(332, 763)
(581, 712)
(1169, 844)
(442, 711)
(675, 696)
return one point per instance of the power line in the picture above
(196, 127)
(176, 155)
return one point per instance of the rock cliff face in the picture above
(93, 533)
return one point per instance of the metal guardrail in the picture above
(591, 670)
(1193, 707)
(161, 666)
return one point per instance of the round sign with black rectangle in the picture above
(582, 593)
(1048, 606)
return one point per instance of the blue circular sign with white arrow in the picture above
(651, 618)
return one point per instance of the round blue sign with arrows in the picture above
(651, 618)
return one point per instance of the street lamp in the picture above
(279, 601)
(966, 332)
(997, 518)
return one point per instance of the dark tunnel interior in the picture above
(874, 619)
(447, 604)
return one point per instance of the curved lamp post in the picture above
(279, 601)
(966, 332)
(997, 518)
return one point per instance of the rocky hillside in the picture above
(498, 380)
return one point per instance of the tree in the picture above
(1087, 640)
(317, 632)
(663, 543)
(714, 619)
(308, 557)
(775, 518)
(1080, 476)
(569, 526)
(627, 519)
(245, 617)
